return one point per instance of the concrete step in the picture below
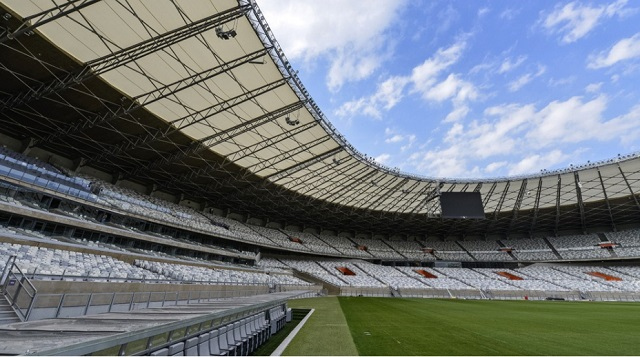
(7, 315)
(4, 321)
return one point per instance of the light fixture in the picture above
(225, 35)
(292, 122)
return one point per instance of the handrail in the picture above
(9, 280)
(56, 305)
(5, 272)
(91, 278)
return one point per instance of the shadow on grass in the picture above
(275, 340)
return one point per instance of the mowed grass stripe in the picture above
(326, 332)
(386, 326)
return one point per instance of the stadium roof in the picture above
(197, 98)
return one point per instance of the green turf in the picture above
(387, 326)
(326, 332)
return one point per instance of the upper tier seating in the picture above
(411, 250)
(391, 276)
(44, 261)
(345, 246)
(36, 172)
(312, 242)
(441, 281)
(312, 268)
(378, 248)
(280, 238)
(360, 279)
(529, 249)
(574, 241)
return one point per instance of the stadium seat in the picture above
(176, 349)
(203, 344)
(160, 352)
(191, 347)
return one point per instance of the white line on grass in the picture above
(287, 341)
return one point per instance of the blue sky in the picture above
(470, 88)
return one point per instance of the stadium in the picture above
(168, 186)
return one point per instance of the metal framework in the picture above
(155, 96)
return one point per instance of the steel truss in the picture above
(286, 185)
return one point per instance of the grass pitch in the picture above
(387, 326)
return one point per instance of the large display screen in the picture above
(461, 205)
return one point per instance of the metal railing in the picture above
(18, 289)
(48, 306)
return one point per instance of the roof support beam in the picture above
(302, 165)
(178, 124)
(230, 159)
(251, 150)
(366, 172)
(406, 201)
(606, 199)
(288, 155)
(153, 96)
(489, 194)
(503, 196)
(217, 138)
(496, 212)
(312, 180)
(323, 193)
(536, 206)
(34, 21)
(558, 187)
(125, 56)
(633, 194)
(361, 198)
(518, 203)
(424, 202)
(388, 191)
(576, 178)
(211, 167)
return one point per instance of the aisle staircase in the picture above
(7, 315)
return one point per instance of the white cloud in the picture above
(535, 137)
(570, 121)
(425, 80)
(458, 113)
(424, 75)
(509, 14)
(534, 162)
(350, 35)
(557, 82)
(361, 105)
(410, 140)
(593, 87)
(394, 139)
(451, 88)
(382, 158)
(492, 167)
(387, 95)
(525, 79)
(574, 20)
(348, 66)
(625, 49)
(508, 65)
